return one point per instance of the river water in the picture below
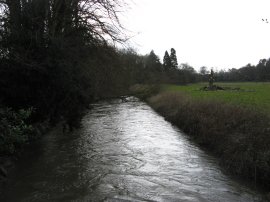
(124, 152)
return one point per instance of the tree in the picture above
(173, 58)
(56, 53)
(152, 67)
(153, 61)
(187, 72)
(203, 70)
(188, 68)
(167, 64)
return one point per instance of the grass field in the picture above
(251, 94)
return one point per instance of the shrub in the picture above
(144, 91)
(14, 129)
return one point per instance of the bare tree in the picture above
(98, 18)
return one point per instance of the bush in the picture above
(144, 91)
(15, 131)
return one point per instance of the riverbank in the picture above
(238, 135)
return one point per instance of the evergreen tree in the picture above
(152, 67)
(153, 61)
(167, 64)
(173, 58)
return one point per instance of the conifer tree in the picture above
(167, 64)
(152, 61)
(173, 58)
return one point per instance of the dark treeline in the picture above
(257, 73)
(148, 69)
(151, 70)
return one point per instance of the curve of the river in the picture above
(123, 152)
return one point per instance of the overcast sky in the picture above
(214, 33)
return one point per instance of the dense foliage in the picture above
(55, 55)
(15, 129)
(55, 58)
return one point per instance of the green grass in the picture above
(252, 94)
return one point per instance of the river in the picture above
(124, 151)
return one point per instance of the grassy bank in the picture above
(237, 134)
(250, 94)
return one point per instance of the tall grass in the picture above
(238, 135)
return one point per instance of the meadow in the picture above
(255, 95)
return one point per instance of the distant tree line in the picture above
(148, 69)
(259, 72)
(252, 73)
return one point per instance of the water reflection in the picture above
(124, 152)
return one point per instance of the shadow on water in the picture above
(124, 152)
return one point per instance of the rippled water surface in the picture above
(123, 152)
